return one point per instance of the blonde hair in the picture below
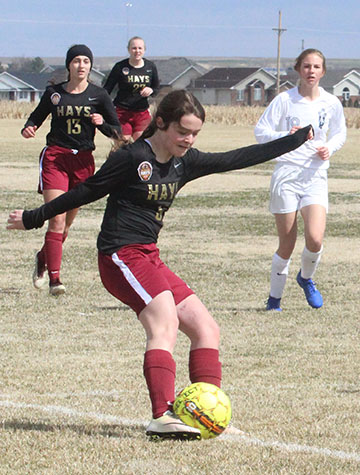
(135, 38)
(304, 53)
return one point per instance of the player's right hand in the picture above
(295, 128)
(29, 132)
(15, 220)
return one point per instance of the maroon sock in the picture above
(53, 251)
(159, 372)
(204, 366)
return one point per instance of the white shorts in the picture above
(294, 187)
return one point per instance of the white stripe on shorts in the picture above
(132, 280)
(41, 168)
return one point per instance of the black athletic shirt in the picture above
(71, 125)
(130, 81)
(141, 189)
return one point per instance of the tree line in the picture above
(24, 65)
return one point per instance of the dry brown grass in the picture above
(16, 110)
(231, 115)
(227, 115)
(352, 117)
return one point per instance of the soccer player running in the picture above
(137, 79)
(77, 109)
(299, 181)
(142, 180)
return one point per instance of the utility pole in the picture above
(279, 31)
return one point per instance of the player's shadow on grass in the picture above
(105, 430)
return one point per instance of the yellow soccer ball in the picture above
(205, 407)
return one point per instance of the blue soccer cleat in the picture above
(273, 304)
(313, 296)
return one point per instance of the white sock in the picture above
(279, 273)
(309, 262)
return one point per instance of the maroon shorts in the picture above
(135, 275)
(133, 121)
(62, 168)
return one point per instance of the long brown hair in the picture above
(172, 108)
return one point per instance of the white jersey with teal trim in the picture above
(290, 109)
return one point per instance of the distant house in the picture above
(345, 84)
(177, 72)
(237, 86)
(29, 87)
(25, 87)
(257, 86)
(221, 85)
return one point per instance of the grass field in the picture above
(72, 396)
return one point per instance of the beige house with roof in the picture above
(237, 86)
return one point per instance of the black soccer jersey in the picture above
(141, 189)
(71, 125)
(130, 81)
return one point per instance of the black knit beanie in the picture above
(78, 50)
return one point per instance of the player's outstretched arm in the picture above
(15, 220)
(206, 163)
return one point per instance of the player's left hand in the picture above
(97, 119)
(15, 220)
(323, 153)
(146, 92)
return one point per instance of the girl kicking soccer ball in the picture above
(142, 180)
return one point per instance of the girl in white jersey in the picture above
(299, 181)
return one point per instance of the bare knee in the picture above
(285, 249)
(313, 241)
(213, 331)
(160, 321)
(314, 244)
(197, 323)
(167, 332)
(57, 224)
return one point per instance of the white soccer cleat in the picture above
(169, 426)
(57, 289)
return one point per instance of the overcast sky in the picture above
(224, 28)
